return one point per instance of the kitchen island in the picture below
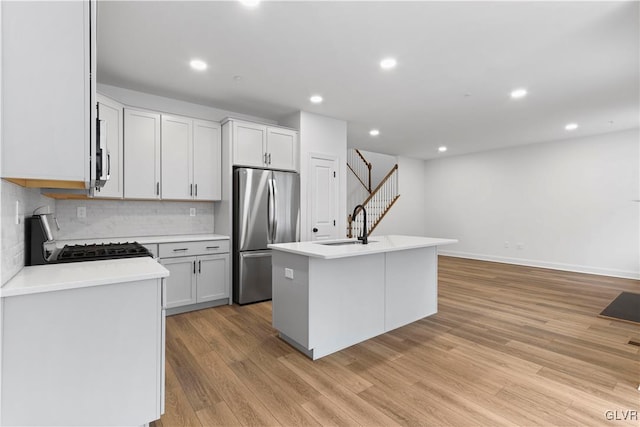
(330, 295)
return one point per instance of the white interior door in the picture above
(323, 197)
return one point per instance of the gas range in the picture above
(96, 252)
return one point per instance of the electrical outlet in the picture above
(192, 212)
(81, 212)
(288, 273)
(506, 244)
(520, 245)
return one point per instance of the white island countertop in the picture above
(74, 275)
(377, 244)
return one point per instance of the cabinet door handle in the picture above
(158, 188)
(265, 159)
(269, 158)
(191, 189)
(213, 247)
(199, 267)
(196, 190)
(194, 267)
(108, 165)
(180, 249)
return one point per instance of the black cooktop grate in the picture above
(76, 253)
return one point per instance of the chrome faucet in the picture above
(364, 238)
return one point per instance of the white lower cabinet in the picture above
(199, 272)
(181, 283)
(212, 271)
(85, 356)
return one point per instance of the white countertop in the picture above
(73, 275)
(377, 244)
(143, 240)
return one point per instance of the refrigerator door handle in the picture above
(274, 226)
(270, 210)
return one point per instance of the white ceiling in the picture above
(457, 63)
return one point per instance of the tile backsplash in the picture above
(116, 218)
(104, 218)
(113, 218)
(13, 236)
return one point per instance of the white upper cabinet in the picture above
(282, 148)
(207, 160)
(177, 157)
(249, 144)
(110, 114)
(191, 159)
(141, 154)
(264, 146)
(47, 92)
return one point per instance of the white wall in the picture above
(148, 101)
(569, 203)
(407, 214)
(13, 235)
(323, 135)
(381, 164)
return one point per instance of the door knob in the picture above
(315, 230)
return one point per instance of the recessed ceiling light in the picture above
(571, 126)
(198, 64)
(250, 3)
(442, 149)
(374, 132)
(518, 93)
(388, 63)
(316, 99)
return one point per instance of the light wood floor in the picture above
(510, 345)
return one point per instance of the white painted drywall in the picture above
(381, 164)
(132, 98)
(568, 202)
(321, 135)
(13, 245)
(407, 214)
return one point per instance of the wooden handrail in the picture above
(373, 193)
(363, 159)
(382, 216)
(356, 175)
(387, 176)
(368, 167)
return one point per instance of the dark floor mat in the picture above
(625, 307)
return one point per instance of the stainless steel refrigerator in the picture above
(266, 209)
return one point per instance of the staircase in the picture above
(379, 200)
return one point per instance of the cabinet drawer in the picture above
(167, 250)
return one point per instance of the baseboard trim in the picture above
(544, 264)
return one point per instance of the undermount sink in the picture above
(350, 242)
